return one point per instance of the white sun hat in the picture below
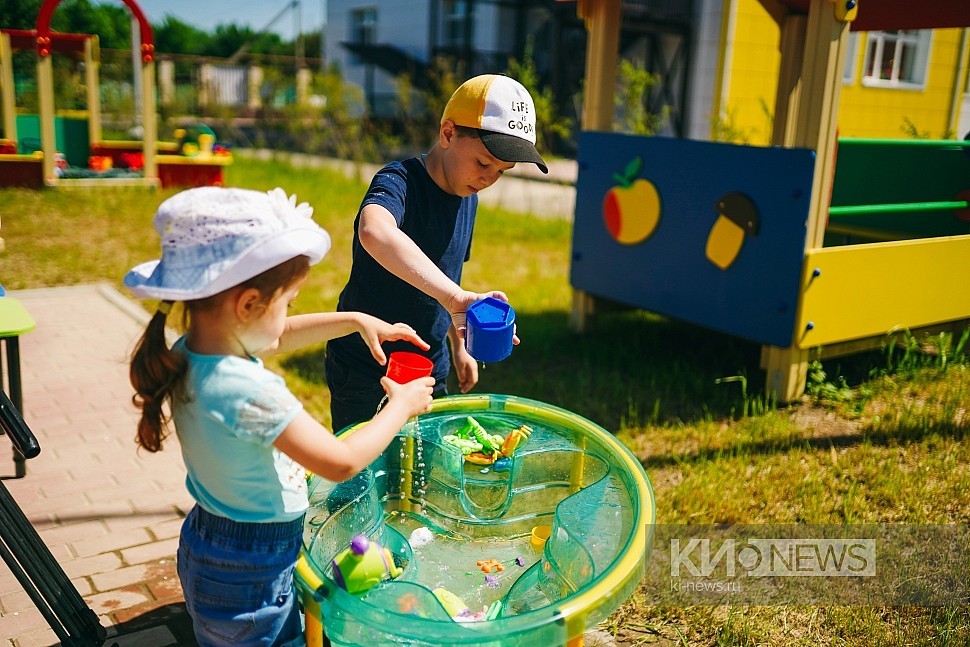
(215, 238)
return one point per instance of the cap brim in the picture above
(509, 148)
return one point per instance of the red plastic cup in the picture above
(402, 366)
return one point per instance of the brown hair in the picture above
(467, 131)
(157, 372)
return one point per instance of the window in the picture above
(363, 28)
(897, 58)
(453, 17)
(851, 54)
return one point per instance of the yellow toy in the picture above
(453, 604)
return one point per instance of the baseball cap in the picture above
(503, 112)
(215, 238)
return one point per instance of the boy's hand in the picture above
(414, 398)
(374, 331)
(457, 305)
(466, 369)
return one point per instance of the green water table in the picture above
(543, 546)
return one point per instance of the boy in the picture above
(413, 233)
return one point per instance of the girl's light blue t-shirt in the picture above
(233, 411)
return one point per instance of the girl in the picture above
(237, 259)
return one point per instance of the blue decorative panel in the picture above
(709, 233)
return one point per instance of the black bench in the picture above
(31, 562)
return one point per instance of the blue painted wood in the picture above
(756, 296)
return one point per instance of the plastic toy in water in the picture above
(491, 612)
(573, 479)
(539, 536)
(459, 611)
(488, 564)
(482, 448)
(363, 565)
(503, 464)
(453, 604)
(420, 537)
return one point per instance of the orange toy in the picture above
(488, 564)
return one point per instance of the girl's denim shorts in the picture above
(237, 579)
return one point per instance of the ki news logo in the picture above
(773, 557)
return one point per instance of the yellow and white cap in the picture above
(503, 112)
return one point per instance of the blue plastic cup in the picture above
(489, 326)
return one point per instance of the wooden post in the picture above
(254, 81)
(303, 78)
(792, 46)
(205, 82)
(8, 105)
(45, 94)
(602, 49)
(814, 124)
(148, 119)
(92, 63)
(166, 82)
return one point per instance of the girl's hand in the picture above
(413, 398)
(374, 331)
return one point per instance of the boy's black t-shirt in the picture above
(440, 224)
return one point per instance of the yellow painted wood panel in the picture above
(869, 290)
(755, 63)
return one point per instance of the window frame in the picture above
(453, 17)
(851, 59)
(363, 29)
(921, 42)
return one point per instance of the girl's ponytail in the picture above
(156, 372)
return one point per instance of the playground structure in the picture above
(549, 544)
(814, 247)
(39, 150)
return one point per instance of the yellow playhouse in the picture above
(36, 149)
(815, 246)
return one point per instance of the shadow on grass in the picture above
(629, 368)
(885, 435)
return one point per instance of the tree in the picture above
(635, 85)
(19, 14)
(110, 22)
(176, 37)
(227, 39)
(551, 126)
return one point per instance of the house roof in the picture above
(887, 14)
(899, 14)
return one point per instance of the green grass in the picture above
(884, 438)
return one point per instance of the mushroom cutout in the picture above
(737, 217)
